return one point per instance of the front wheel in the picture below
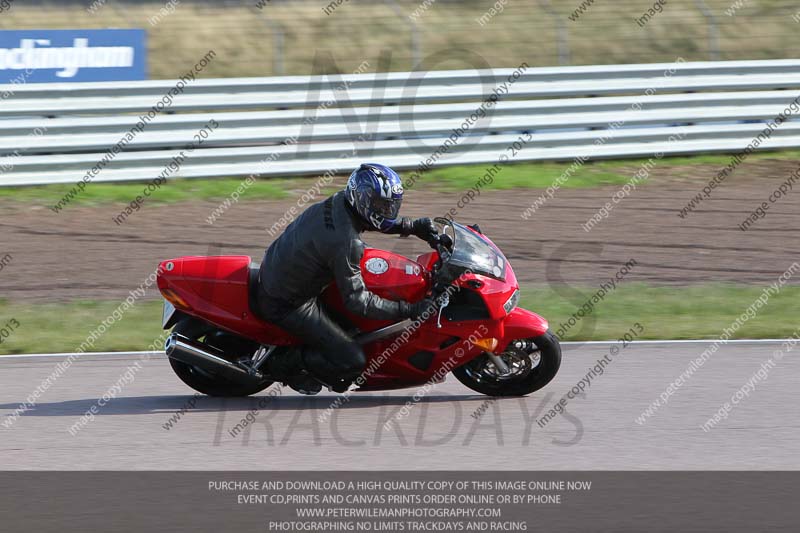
(530, 365)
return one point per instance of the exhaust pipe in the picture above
(207, 358)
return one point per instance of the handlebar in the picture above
(442, 244)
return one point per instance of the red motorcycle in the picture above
(219, 344)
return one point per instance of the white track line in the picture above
(567, 343)
(67, 354)
(683, 341)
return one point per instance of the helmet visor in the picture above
(387, 208)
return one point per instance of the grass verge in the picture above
(691, 312)
(62, 327)
(694, 312)
(456, 178)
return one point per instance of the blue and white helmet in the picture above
(375, 192)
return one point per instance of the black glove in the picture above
(424, 228)
(425, 308)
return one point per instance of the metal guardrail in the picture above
(54, 133)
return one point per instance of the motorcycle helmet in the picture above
(375, 192)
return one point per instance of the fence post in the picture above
(561, 30)
(713, 30)
(416, 41)
(277, 45)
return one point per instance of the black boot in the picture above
(286, 365)
(335, 378)
(304, 383)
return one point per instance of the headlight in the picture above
(512, 302)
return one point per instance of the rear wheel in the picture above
(208, 382)
(531, 364)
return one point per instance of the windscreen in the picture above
(473, 252)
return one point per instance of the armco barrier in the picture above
(311, 124)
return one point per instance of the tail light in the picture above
(173, 298)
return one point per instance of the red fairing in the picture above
(389, 276)
(523, 324)
(393, 276)
(216, 289)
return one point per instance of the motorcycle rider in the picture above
(321, 246)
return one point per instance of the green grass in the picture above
(540, 175)
(695, 312)
(510, 176)
(179, 190)
(62, 327)
(523, 176)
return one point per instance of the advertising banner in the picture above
(41, 56)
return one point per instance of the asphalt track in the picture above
(444, 430)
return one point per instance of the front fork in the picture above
(498, 362)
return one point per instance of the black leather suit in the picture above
(321, 246)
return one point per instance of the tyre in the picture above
(207, 382)
(532, 364)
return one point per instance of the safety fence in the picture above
(306, 125)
